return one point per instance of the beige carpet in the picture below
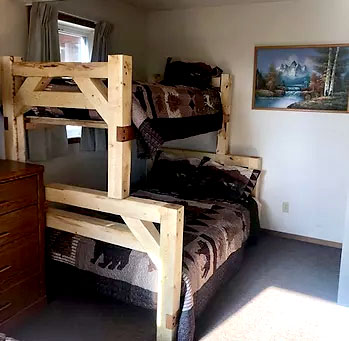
(279, 315)
(286, 290)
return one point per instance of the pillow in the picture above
(198, 75)
(173, 175)
(226, 182)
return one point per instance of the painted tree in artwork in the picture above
(260, 81)
(316, 84)
(328, 72)
(339, 69)
(333, 73)
(323, 65)
(331, 63)
(272, 79)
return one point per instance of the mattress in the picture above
(213, 232)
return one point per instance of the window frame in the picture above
(72, 29)
(71, 25)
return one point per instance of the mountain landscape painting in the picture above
(312, 78)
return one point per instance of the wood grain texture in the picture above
(25, 90)
(35, 122)
(95, 228)
(36, 69)
(18, 298)
(8, 91)
(170, 273)
(132, 207)
(10, 170)
(147, 235)
(18, 262)
(15, 229)
(120, 100)
(226, 98)
(17, 194)
(22, 224)
(96, 93)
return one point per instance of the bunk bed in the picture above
(23, 85)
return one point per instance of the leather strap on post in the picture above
(125, 133)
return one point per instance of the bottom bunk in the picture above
(215, 232)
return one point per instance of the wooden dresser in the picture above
(22, 223)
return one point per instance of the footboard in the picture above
(138, 233)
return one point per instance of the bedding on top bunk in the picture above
(164, 113)
(160, 113)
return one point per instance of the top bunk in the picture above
(102, 86)
(91, 90)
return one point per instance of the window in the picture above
(75, 42)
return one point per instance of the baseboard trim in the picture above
(303, 238)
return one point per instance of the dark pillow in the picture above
(173, 175)
(198, 75)
(225, 182)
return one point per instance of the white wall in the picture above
(304, 154)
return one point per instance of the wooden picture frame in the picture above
(311, 78)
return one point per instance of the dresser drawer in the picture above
(18, 225)
(19, 297)
(19, 263)
(17, 194)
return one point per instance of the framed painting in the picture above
(302, 78)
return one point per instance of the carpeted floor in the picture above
(286, 290)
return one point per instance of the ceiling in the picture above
(177, 4)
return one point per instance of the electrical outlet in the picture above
(285, 207)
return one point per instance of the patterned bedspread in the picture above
(164, 113)
(213, 231)
(160, 113)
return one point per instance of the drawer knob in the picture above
(5, 268)
(5, 306)
(4, 234)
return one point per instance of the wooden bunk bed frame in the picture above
(23, 85)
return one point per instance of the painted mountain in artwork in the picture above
(294, 70)
(294, 74)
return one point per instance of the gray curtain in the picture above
(101, 42)
(96, 139)
(43, 46)
(43, 41)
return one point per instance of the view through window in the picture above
(76, 42)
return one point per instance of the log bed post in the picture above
(14, 127)
(120, 101)
(170, 272)
(226, 97)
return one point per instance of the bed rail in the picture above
(24, 85)
(139, 233)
